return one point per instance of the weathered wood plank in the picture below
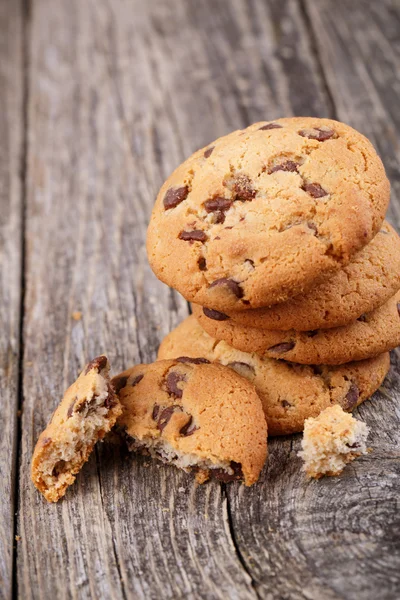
(338, 538)
(11, 210)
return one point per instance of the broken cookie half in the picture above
(87, 412)
(332, 440)
(201, 417)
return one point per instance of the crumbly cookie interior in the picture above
(205, 468)
(64, 457)
(332, 440)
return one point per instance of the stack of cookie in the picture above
(276, 234)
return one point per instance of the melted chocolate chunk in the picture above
(208, 152)
(398, 308)
(156, 410)
(217, 204)
(362, 318)
(317, 133)
(233, 286)
(97, 364)
(71, 407)
(287, 165)
(240, 366)
(189, 428)
(216, 315)
(171, 382)
(283, 347)
(166, 415)
(193, 236)
(175, 196)
(119, 383)
(137, 379)
(193, 361)
(285, 404)
(351, 398)
(202, 263)
(242, 188)
(222, 475)
(315, 190)
(270, 126)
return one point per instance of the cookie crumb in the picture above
(77, 315)
(332, 440)
(17, 538)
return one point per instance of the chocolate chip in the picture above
(175, 196)
(222, 475)
(173, 378)
(189, 428)
(315, 190)
(86, 404)
(233, 286)
(219, 203)
(353, 446)
(398, 308)
(202, 263)
(283, 347)
(270, 126)
(166, 415)
(71, 407)
(208, 152)
(240, 366)
(110, 400)
(362, 318)
(312, 226)
(287, 165)
(351, 398)
(285, 404)
(311, 334)
(156, 410)
(119, 383)
(194, 361)
(136, 379)
(193, 236)
(215, 314)
(242, 188)
(97, 364)
(316, 133)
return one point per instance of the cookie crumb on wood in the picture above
(332, 440)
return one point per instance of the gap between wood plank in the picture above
(332, 112)
(26, 11)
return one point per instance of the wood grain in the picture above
(11, 211)
(119, 93)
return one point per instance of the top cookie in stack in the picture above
(264, 214)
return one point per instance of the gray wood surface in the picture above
(117, 93)
(11, 217)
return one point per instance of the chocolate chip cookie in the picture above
(261, 214)
(289, 392)
(331, 441)
(368, 281)
(371, 334)
(201, 417)
(87, 412)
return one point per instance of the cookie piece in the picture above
(370, 335)
(368, 281)
(87, 412)
(330, 441)
(200, 417)
(289, 392)
(262, 213)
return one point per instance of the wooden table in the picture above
(100, 100)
